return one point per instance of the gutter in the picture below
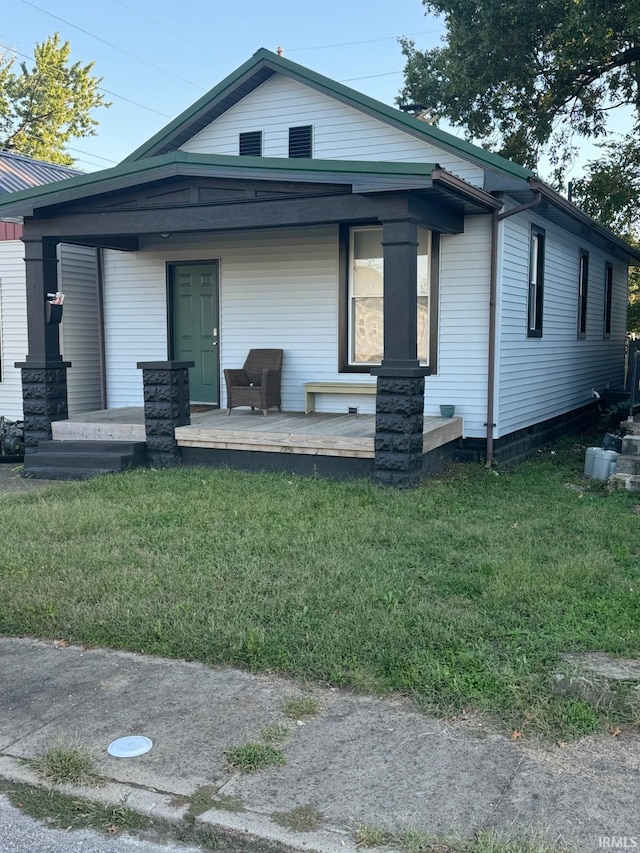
(496, 218)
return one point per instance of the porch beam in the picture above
(250, 214)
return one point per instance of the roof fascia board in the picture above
(181, 163)
(554, 198)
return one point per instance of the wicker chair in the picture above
(258, 383)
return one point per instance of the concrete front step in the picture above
(80, 460)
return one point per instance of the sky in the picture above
(156, 58)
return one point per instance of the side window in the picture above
(608, 299)
(536, 283)
(583, 289)
(250, 144)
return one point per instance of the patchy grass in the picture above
(251, 757)
(274, 733)
(70, 763)
(299, 707)
(414, 841)
(301, 819)
(372, 836)
(64, 812)
(201, 800)
(460, 594)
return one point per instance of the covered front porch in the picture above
(282, 433)
(145, 209)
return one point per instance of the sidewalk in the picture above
(359, 761)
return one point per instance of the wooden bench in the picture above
(313, 388)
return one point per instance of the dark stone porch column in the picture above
(44, 373)
(400, 391)
(166, 406)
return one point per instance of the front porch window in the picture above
(366, 302)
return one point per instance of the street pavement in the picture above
(360, 761)
(22, 834)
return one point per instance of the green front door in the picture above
(194, 297)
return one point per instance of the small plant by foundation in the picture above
(251, 757)
(297, 707)
(70, 763)
(300, 819)
(274, 733)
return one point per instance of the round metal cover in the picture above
(130, 746)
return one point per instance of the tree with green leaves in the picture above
(45, 106)
(525, 77)
(610, 192)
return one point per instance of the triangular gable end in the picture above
(262, 66)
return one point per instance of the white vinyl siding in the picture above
(279, 288)
(13, 326)
(540, 378)
(79, 330)
(135, 320)
(340, 132)
(463, 326)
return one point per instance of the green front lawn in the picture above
(461, 593)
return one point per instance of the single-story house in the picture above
(397, 267)
(77, 279)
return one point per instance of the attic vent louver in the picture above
(251, 144)
(300, 141)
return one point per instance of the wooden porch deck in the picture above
(279, 432)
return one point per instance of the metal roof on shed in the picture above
(18, 172)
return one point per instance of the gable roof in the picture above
(263, 65)
(18, 172)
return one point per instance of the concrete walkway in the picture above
(358, 762)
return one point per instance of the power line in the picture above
(100, 88)
(173, 32)
(366, 41)
(115, 46)
(370, 76)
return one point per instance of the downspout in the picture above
(101, 336)
(496, 218)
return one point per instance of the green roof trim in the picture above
(97, 182)
(278, 64)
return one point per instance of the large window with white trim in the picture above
(366, 295)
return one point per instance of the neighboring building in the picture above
(77, 279)
(271, 204)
